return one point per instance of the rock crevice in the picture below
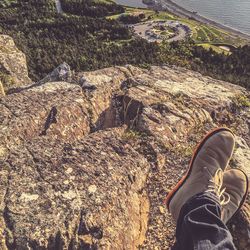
(87, 163)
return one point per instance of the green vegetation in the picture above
(88, 36)
(131, 135)
(241, 101)
(131, 19)
(207, 53)
(91, 8)
(82, 37)
(6, 79)
(217, 49)
(233, 68)
(85, 41)
(7, 3)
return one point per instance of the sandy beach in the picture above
(182, 12)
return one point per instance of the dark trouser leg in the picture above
(199, 226)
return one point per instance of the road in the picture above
(180, 35)
(142, 29)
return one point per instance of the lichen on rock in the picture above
(86, 164)
(13, 66)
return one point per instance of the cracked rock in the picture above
(90, 169)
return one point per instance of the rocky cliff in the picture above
(13, 67)
(86, 164)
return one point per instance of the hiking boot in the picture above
(235, 183)
(205, 169)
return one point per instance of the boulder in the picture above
(84, 195)
(53, 109)
(61, 73)
(13, 66)
(87, 164)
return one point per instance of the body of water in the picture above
(232, 13)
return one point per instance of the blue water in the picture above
(233, 13)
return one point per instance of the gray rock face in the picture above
(2, 91)
(13, 66)
(61, 73)
(55, 109)
(75, 195)
(88, 165)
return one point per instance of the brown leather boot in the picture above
(205, 170)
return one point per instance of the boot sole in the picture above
(244, 197)
(185, 177)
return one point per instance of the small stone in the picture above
(86, 238)
(162, 210)
(92, 189)
(69, 171)
(25, 197)
(66, 182)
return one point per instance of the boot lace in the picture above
(215, 186)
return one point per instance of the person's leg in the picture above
(199, 204)
(212, 155)
(202, 220)
(200, 226)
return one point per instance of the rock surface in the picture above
(87, 164)
(2, 91)
(13, 67)
(61, 73)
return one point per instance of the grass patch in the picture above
(217, 49)
(132, 135)
(241, 101)
(7, 3)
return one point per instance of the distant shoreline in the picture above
(176, 9)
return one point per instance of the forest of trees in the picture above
(131, 19)
(91, 8)
(86, 40)
(234, 68)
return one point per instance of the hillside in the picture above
(89, 36)
(86, 162)
(13, 66)
(89, 149)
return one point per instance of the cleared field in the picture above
(214, 48)
(201, 33)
